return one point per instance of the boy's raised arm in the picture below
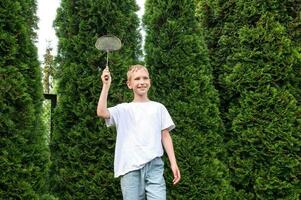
(102, 110)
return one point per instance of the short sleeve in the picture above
(112, 121)
(167, 122)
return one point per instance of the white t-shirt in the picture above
(139, 126)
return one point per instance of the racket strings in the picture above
(108, 43)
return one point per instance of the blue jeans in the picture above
(145, 182)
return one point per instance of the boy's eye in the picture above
(139, 78)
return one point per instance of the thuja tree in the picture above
(48, 71)
(294, 27)
(23, 154)
(258, 61)
(221, 21)
(82, 147)
(182, 80)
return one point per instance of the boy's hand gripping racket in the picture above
(108, 43)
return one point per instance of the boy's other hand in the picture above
(106, 76)
(176, 174)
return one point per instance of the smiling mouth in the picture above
(142, 87)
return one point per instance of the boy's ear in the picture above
(129, 84)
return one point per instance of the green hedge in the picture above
(82, 147)
(181, 75)
(24, 157)
(256, 62)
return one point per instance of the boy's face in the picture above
(139, 82)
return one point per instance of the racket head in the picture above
(108, 43)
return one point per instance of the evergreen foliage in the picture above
(176, 56)
(82, 147)
(24, 157)
(48, 83)
(256, 59)
(48, 71)
(48, 86)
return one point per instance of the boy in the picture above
(142, 127)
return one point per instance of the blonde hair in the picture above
(135, 68)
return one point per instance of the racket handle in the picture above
(106, 76)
